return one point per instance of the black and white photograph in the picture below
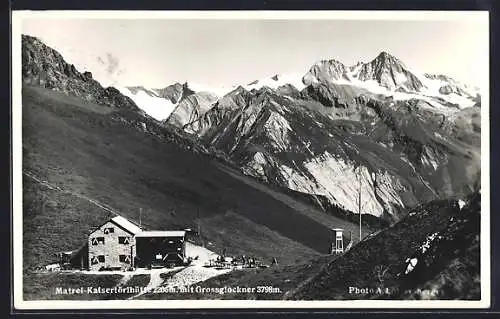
(250, 159)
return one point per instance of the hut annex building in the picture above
(119, 244)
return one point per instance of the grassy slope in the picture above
(244, 237)
(68, 144)
(381, 260)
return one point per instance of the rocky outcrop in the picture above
(288, 90)
(221, 113)
(175, 92)
(44, 67)
(191, 108)
(339, 96)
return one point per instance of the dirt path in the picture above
(57, 188)
(192, 275)
(183, 278)
(124, 280)
(154, 281)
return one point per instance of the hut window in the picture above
(124, 259)
(101, 258)
(97, 240)
(94, 260)
(109, 230)
(123, 240)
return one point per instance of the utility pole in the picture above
(359, 203)
(140, 217)
(198, 224)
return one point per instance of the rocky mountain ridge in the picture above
(42, 66)
(333, 83)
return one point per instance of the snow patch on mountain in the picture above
(220, 91)
(449, 90)
(149, 101)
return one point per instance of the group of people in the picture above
(248, 261)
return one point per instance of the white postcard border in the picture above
(20, 304)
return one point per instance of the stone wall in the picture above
(111, 249)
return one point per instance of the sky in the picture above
(156, 53)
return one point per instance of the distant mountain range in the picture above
(376, 128)
(385, 75)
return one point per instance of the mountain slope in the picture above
(301, 144)
(432, 254)
(401, 145)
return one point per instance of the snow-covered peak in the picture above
(389, 72)
(389, 76)
(276, 81)
(325, 71)
(386, 58)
